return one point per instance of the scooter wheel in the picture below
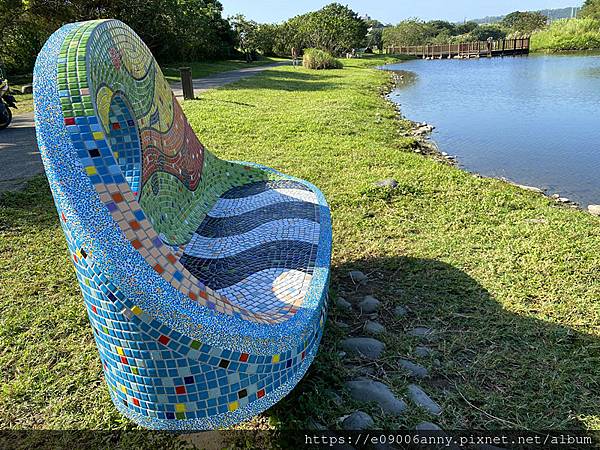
(5, 118)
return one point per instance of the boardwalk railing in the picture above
(465, 50)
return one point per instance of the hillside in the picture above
(552, 14)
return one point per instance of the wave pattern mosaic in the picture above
(205, 281)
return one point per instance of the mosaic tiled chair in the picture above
(205, 281)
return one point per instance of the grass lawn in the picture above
(171, 72)
(24, 101)
(205, 69)
(507, 279)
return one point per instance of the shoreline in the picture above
(426, 146)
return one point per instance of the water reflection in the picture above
(534, 120)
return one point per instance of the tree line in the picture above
(195, 30)
(518, 23)
(418, 32)
(177, 30)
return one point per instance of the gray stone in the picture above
(315, 426)
(358, 421)
(594, 209)
(387, 183)
(368, 347)
(415, 370)
(374, 391)
(420, 398)
(421, 332)
(530, 188)
(427, 426)
(369, 305)
(400, 311)
(342, 304)
(27, 89)
(358, 277)
(423, 352)
(342, 325)
(374, 328)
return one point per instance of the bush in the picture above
(568, 34)
(318, 60)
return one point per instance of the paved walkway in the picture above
(19, 155)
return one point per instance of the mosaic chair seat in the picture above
(205, 281)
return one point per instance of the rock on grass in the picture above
(374, 328)
(362, 346)
(420, 398)
(374, 391)
(358, 277)
(414, 370)
(358, 421)
(369, 305)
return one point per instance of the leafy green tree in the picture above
(246, 35)
(334, 28)
(591, 8)
(374, 38)
(466, 28)
(483, 33)
(442, 27)
(173, 29)
(524, 22)
(408, 32)
(266, 38)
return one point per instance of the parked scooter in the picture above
(7, 101)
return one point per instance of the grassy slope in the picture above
(508, 279)
(568, 34)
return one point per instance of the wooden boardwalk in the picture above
(479, 49)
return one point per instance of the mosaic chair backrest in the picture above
(132, 184)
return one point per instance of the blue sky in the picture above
(390, 11)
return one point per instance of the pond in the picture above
(532, 119)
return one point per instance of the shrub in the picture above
(568, 34)
(319, 60)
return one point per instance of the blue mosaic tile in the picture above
(205, 281)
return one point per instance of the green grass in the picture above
(24, 101)
(205, 69)
(568, 34)
(508, 279)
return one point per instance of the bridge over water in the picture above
(478, 49)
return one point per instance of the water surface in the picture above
(532, 119)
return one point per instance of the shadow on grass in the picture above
(28, 208)
(300, 81)
(491, 368)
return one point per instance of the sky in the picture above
(390, 11)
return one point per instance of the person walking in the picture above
(294, 56)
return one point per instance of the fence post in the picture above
(186, 83)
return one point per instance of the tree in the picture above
(334, 28)
(483, 33)
(524, 22)
(246, 35)
(591, 8)
(466, 28)
(374, 38)
(442, 26)
(266, 38)
(408, 32)
(172, 29)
